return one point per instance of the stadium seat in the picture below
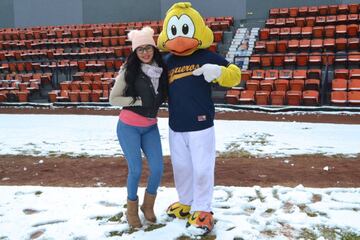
(354, 98)
(260, 46)
(315, 59)
(278, 60)
(247, 97)
(232, 96)
(270, 46)
(295, 32)
(286, 74)
(302, 59)
(310, 97)
(338, 98)
(329, 31)
(293, 98)
(293, 12)
(340, 30)
(313, 11)
(245, 75)
(262, 97)
(323, 9)
(290, 60)
(354, 73)
(271, 74)
(74, 96)
(281, 46)
(95, 95)
(293, 45)
(341, 44)
(314, 73)
(339, 84)
(354, 85)
(264, 34)
(306, 32)
(252, 84)
(296, 84)
(299, 74)
(341, 73)
(85, 96)
(267, 85)
(312, 84)
(316, 44)
(353, 8)
(353, 44)
(320, 20)
(281, 84)
(277, 97)
(329, 44)
(354, 59)
(258, 74)
(266, 60)
(284, 32)
(254, 61)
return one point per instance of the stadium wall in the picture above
(25, 13)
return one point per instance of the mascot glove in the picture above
(210, 71)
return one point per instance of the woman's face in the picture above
(145, 53)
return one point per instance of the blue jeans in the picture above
(132, 140)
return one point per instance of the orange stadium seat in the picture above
(339, 84)
(232, 96)
(293, 97)
(252, 84)
(267, 85)
(277, 97)
(310, 97)
(354, 84)
(338, 98)
(262, 97)
(247, 97)
(354, 98)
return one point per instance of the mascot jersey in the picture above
(190, 105)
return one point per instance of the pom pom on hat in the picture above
(145, 36)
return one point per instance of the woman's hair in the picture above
(133, 68)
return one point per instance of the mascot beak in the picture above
(182, 45)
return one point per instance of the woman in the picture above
(140, 88)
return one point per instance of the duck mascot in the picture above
(192, 69)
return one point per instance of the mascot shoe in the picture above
(203, 220)
(178, 210)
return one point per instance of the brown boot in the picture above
(148, 207)
(132, 214)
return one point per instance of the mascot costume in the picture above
(191, 110)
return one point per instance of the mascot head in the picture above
(184, 31)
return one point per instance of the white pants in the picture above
(193, 161)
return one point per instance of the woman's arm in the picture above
(117, 97)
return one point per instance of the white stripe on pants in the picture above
(193, 161)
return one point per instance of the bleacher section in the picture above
(303, 56)
(72, 63)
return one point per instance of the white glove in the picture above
(210, 71)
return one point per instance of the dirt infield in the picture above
(310, 171)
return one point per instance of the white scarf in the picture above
(153, 72)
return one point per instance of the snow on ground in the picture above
(34, 212)
(77, 135)
(248, 213)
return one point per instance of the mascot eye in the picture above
(172, 27)
(185, 29)
(187, 26)
(180, 27)
(173, 30)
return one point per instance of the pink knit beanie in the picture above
(145, 36)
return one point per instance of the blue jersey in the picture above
(190, 104)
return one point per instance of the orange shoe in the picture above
(203, 220)
(178, 210)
